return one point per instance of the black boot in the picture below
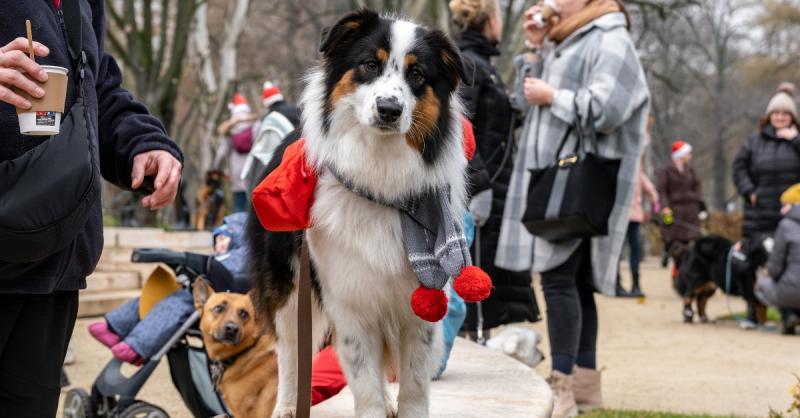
(620, 291)
(636, 291)
(790, 320)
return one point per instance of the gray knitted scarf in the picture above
(435, 242)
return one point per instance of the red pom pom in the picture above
(473, 284)
(429, 304)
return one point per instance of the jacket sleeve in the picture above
(777, 258)
(648, 187)
(125, 126)
(471, 89)
(741, 171)
(526, 65)
(616, 87)
(663, 187)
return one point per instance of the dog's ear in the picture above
(201, 291)
(344, 28)
(449, 56)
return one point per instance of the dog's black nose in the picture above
(231, 330)
(389, 110)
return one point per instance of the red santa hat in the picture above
(270, 94)
(680, 149)
(239, 106)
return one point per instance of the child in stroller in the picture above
(133, 340)
(168, 327)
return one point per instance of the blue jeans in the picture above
(633, 238)
(239, 202)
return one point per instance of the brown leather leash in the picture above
(304, 349)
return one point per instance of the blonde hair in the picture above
(472, 13)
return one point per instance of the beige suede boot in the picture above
(563, 397)
(588, 389)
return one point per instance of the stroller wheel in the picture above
(77, 404)
(141, 409)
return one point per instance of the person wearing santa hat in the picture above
(237, 133)
(680, 198)
(280, 119)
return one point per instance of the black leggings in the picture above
(34, 332)
(571, 311)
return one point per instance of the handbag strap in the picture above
(583, 132)
(70, 15)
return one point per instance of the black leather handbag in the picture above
(573, 197)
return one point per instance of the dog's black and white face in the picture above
(394, 76)
(382, 106)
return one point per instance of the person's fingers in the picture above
(10, 77)
(167, 189)
(19, 60)
(138, 171)
(8, 96)
(21, 44)
(163, 165)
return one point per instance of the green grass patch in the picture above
(772, 315)
(606, 413)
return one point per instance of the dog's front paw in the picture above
(284, 412)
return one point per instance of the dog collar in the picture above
(217, 367)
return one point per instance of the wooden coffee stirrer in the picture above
(30, 38)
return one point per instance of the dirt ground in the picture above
(651, 360)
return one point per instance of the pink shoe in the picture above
(124, 352)
(101, 332)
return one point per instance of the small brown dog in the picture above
(210, 201)
(244, 358)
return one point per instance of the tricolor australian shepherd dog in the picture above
(383, 111)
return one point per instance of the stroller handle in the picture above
(158, 255)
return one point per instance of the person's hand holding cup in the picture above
(14, 65)
(38, 92)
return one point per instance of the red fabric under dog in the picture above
(327, 378)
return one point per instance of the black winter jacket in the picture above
(767, 166)
(489, 110)
(124, 128)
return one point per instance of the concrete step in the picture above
(103, 281)
(158, 238)
(478, 382)
(96, 304)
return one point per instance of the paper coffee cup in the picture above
(44, 116)
(549, 9)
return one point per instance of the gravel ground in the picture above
(651, 360)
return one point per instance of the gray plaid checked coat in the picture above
(597, 64)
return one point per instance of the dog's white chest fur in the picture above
(358, 249)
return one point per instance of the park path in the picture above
(652, 360)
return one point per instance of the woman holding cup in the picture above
(581, 59)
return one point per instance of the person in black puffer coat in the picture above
(488, 108)
(768, 164)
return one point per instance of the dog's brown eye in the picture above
(370, 66)
(417, 76)
(244, 315)
(218, 309)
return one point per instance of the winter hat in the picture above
(239, 106)
(680, 149)
(791, 195)
(270, 94)
(783, 100)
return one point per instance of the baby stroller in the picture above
(114, 396)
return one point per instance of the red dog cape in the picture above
(283, 203)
